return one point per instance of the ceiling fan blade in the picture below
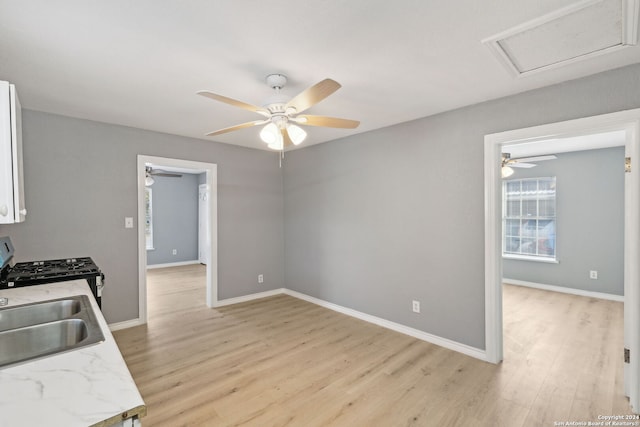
(286, 140)
(160, 172)
(521, 165)
(234, 102)
(535, 158)
(331, 122)
(313, 95)
(237, 127)
(170, 175)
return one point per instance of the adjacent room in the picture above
(336, 213)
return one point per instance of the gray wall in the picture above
(371, 221)
(590, 222)
(175, 219)
(80, 184)
(378, 219)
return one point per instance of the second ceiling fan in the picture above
(521, 162)
(282, 115)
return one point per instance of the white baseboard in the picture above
(172, 264)
(126, 324)
(416, 333)
(250, 297)
(562, 289)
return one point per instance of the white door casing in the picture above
(628, 121)
(212, 257)
(203, 223)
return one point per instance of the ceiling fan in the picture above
(521, 162)
(150, 173)
(282, 114)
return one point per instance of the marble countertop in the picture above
(90, 386)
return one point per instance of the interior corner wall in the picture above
(589, 219)
(80, 180)
(175, 219)
(382, 218)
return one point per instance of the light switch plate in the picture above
(128, 222)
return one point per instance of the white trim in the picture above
(412, 332)
(628, 121)
(493, 243)
(564, 290)
(126, 324)
(416, 333)
(631, 268)
(250, 297)
(172, 264)
(630, 8)
(211, 170)
(530, 258)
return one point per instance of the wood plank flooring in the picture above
(281, 361)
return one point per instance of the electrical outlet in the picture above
(260, 278)
(128, 222)
(593, 274)
(416, 306)
(175, 252)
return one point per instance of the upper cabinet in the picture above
(12, 207)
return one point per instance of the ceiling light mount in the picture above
(276, 81)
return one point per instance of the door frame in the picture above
(211, 170)
(629, 121)
(205, 188)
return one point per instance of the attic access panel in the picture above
(581, 30)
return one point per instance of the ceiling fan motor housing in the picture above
(277, 101)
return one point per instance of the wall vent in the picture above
(581, 30)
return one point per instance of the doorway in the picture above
(210, 258)
(629, 123)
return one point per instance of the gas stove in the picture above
(48, 271)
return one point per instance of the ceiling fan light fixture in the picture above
(296, 133)
(278, 145)
(270, 134)
(507, 171)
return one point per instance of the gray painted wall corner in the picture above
(378, 219)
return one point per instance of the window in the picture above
(529, 218)
(148, 218)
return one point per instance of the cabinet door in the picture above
(6, 159)
(16, 151)
(11, 179)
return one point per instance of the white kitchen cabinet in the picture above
(12, 207)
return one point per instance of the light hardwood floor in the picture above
(281, 361)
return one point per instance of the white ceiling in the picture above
(140, 63)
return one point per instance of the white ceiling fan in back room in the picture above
(150, 173)
(282, 114)
(521, 162)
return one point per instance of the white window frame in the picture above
(538, 197)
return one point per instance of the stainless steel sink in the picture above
(32, 314)
(46, 328)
